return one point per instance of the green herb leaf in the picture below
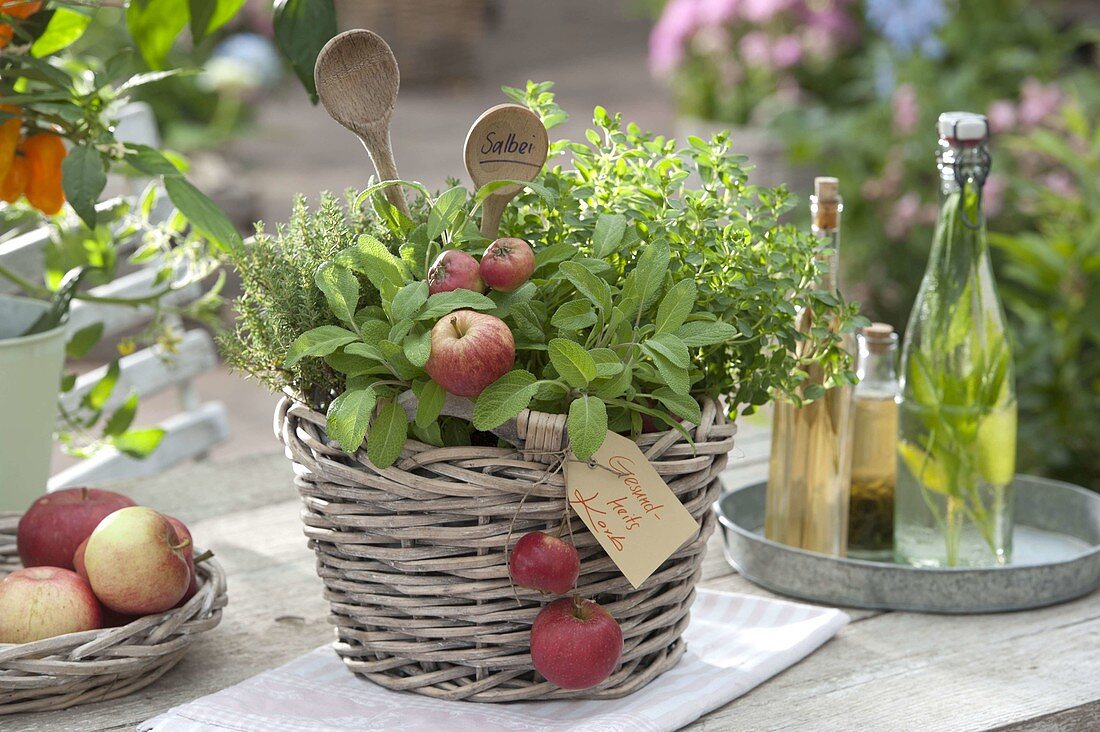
(341, 290)
(442, 303)
(348, 417)
(150, 161)
(572, 362)
(675, 376)
(682, 406)
(670, 347)
(318, 342)
(98, 395)
(122, 418)
(138, 443)
(82, 341)
(705, 333)
(154, 25)
(574, 315)
(588, 284)
(65, 27)
(408, 300)
(446, 212)
(430, 398)
(586, 425)
(608, 234)
(417, 347)
(649, 274)
(675, 306)
(504, 399)
(387, 435)
(616, 385)
(83, 176)
(302, 28)
(209, 15)
(201, 212)
(371, 258)
(607, 361)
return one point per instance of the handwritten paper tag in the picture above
(626, 505)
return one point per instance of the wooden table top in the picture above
(885, 671)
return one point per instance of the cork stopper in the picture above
(825, 205)
(880, 337)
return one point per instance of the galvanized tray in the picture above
(1056, 557)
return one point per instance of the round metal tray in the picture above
(1056, 557)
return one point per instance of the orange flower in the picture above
(44, 152)
(15, 9)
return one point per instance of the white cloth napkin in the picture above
(734, 643)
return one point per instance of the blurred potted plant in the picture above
(739, 64)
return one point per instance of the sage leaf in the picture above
(417, 347)
(669, 346)
(371, 258)
(446, 211)
(442, 303)
(318, 342)
(607, 361)
(572, 362)
(608, 234)
(675, 377)
(649, 273)
(349, 416)
(588, 284)
(574, 315)
(408, 300)
(675, 306)
(586, 425)
(504, 399)
(617, 385)
(341, 290)
(387, 435)
(682, 406)
(705, 333)
(430, 399)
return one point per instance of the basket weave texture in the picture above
(414, 557)
(95, 665)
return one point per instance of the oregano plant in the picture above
(650, 291)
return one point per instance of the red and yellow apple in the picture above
(184, 535)
(43, 602)
(507, 263)
(575, 643)
(136, 563)
(55, 524)
(454, 269)
(470, 350)
(544, 563)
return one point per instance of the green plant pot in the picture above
(30, 374)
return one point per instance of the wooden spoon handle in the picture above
(377, 142)
(492, 209)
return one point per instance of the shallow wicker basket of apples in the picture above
(99, 597)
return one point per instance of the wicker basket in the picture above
(77, 668)
(413, 557)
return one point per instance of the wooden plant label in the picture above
(626, 505)
(507, 142)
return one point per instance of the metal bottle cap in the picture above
(963, 126)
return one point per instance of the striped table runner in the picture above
(735, 642)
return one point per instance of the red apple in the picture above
(544, 563)
(55, 524)
(507, 264)
(78, 560)
(189, 551)
(41, 602)
(454, 270)
(136, 563)
(470, 350)
(575, 643)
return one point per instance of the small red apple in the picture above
(78, 560)
(42, 602)
(136, 563)
(470, 350)
(454, 269)
(507, 264)
(55, 524)
(575, 643)
(544, 563)
(189, 551)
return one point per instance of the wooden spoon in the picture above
(507, 142)
(357, 80)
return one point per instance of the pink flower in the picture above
(669, 37)
(903, 215)
(835, 22)
(786, 52)
(1038, 101)
(993, 194)
(1061, 183)
(718, 12)
(761, 11)
(905, 109)
(1001, 115)
(756, 48)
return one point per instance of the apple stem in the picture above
(84, 493)
(182, 545)
(203, 557)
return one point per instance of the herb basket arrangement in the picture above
(651, 310)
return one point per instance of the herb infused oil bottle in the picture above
(874, 447)
(957, 410)
(806, 503)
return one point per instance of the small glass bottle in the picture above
(874, 447)
(806, 504)
(957, 409)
